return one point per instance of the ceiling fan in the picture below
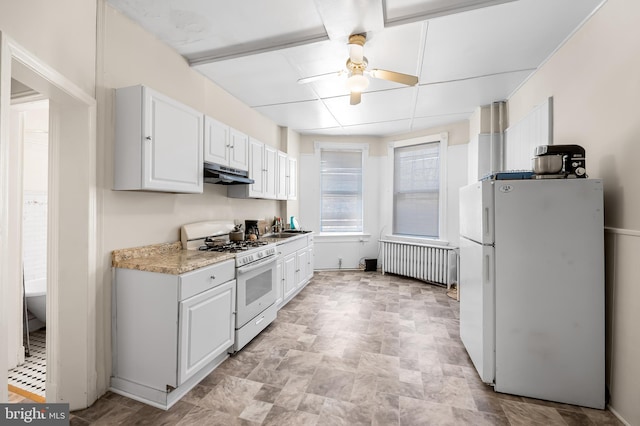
(357, 71)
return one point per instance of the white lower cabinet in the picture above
(206, 328)
(289, 274)
(295, 267)
(170, 331)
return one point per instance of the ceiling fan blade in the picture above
(355, 98)
(398, 77)
(313, 78)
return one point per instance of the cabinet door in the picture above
(256, 168)
(289, 265)
(238, 150)
(301, 271)
(172, 146)
(281, 181)
(216, 142)
(292, 180)
(279, 282)
(271, 176)
(310, 262)
(207, 323)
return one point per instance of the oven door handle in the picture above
(256, 265)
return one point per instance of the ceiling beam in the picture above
(425, 11)
(256, 47)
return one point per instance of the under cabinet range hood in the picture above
(223, 175)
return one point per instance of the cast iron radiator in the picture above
(427, 262)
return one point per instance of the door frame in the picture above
(72, 226)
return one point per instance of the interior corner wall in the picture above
(594, 79)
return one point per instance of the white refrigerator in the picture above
(532, 287)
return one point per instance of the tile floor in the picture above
(32, 375)
(353, 348)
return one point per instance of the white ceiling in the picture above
(466, 53)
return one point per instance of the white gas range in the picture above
(255, 274)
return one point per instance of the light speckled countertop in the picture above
(170, 258)
(166, 258)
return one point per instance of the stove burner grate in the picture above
(233, 246)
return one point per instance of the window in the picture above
(416, 189)
(341, 190)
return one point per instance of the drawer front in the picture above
(203, 279)
(292, 246)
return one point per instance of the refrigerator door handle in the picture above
(487, 262)
(487, 231)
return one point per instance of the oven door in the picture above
(256, 289)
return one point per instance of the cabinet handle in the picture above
(148, 138)
(213, 277)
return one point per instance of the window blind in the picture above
(416, 190)
(341, 191)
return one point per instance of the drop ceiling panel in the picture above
(439, 120)
(299, 115)
(206, 25)
(386, 128)
(464, 96)
(256, 80)
(508, 37)
(375, 107)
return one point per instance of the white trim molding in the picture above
(387, 214)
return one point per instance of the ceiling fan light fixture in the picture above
(356, 48)
(357, 82)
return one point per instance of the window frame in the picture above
(363, 148)
(443, 139)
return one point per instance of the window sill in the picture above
(415, 240)
(338, 237)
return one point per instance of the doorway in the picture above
(71, 228)
(29, 174)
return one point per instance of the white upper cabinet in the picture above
(274, 172)
(238, 150)
(270, 171)
(292, 179)
(263, 169)
(281, 180)
(256, 169)
(225, 145)
(216, 142)
(158, 144)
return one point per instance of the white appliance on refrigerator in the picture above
(532, 287)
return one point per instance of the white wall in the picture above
(595, 83)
